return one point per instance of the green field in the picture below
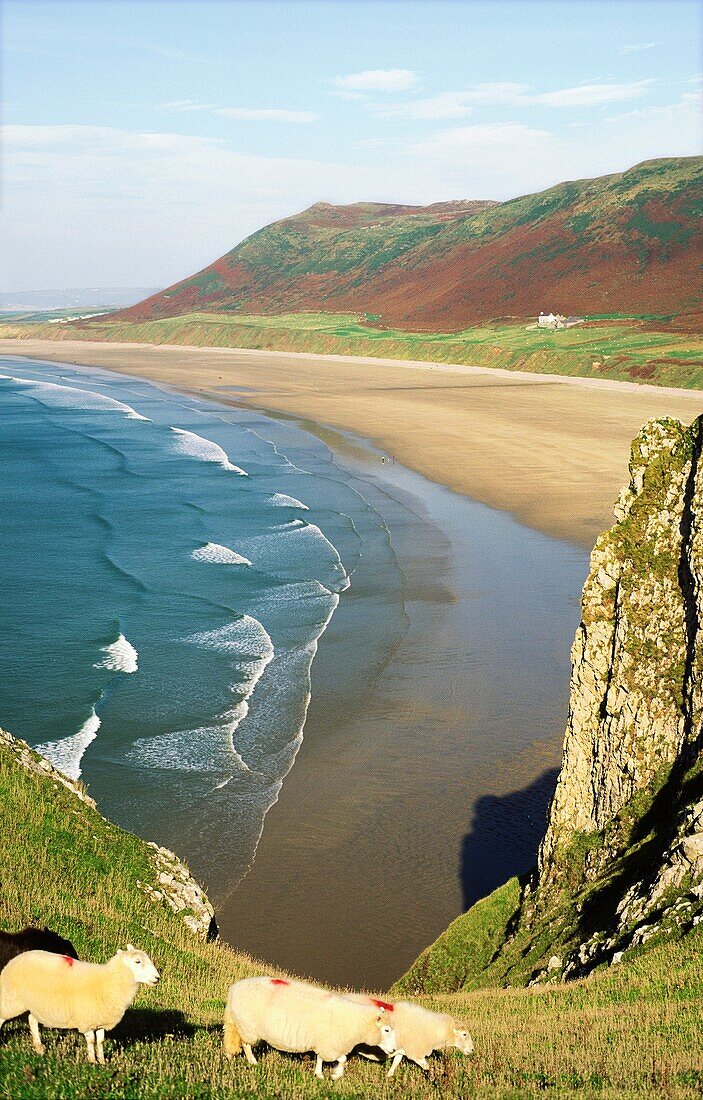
(625, 349)
(633, 1030)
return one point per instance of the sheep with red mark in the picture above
(419, 1031)
(297, 1017)
(62, 992)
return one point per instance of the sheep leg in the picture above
(100, 1039)
(36, 1037)
(249, 1054)
(338, 1070)
(318, 1068)
(422, 1063)
(397, 1059)
(89, 1037)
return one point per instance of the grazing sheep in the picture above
(33, 939)
(419, 1032)
(59, 991)
(296, 1017)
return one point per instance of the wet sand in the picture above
(552, 451)
(422, 784)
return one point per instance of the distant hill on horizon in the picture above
(629, 243)
(73, 298)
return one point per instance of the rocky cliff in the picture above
(621, 864)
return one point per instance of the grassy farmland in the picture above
(639, 349)
(633, 1030)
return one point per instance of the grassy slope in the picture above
(625, 242)
(631, 1031)
(615, 348)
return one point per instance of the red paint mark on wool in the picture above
(382, 1004)
(279, 981)
(68, 960)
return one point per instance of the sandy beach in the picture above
(550, 450)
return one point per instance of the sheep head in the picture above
(143, 969)
(462, 1039)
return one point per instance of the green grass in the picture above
(631, 1031)
(628, 349)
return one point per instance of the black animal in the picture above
(33, 939)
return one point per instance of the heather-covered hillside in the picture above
(629, 243)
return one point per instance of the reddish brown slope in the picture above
(628, 243)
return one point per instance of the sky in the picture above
(141, 139)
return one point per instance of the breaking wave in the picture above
(67, 753)
(189, 443)
(119, 656)
(219, 555)
(74, 398)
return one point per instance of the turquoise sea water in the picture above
(167, 571)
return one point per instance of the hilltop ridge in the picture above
(629, 242)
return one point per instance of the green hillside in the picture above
(62, 864)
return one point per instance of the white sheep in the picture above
(419, 1031)
(62, 992)
(297, 1017)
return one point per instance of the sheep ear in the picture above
(379, 1018)
(131, 947)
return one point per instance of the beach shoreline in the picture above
(465, 712)
(550, 450)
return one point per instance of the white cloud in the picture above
(378, 80)
(638, 46)
(510, 135)
(592, 95)
(246, 114)
(266, 114)
(462, 104)
(185, 105)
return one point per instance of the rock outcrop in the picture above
(625, 829)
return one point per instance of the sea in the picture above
(167, 573)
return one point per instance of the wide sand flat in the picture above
(553, 451)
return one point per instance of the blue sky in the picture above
(143, 139)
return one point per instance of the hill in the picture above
(628, 243)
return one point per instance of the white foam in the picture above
(119, 656)
(282, 500)
(73, 398)
(204, 749)
(66, 754)
(188, 443)
(219, 555)
(248, 639)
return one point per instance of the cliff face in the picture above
(621, 863)
(625, 829)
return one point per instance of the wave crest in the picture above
(195, 446)
(119, 656)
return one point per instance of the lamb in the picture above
(419, 1032)
(297, 1017)
(33, 939)
(59, 991)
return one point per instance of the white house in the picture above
(551, 320)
